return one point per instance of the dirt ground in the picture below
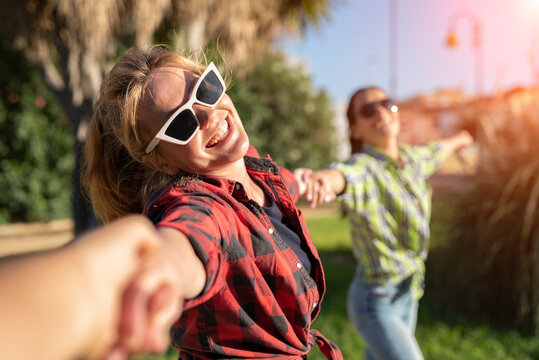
(24, 237)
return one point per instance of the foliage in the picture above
(35, 146)
(283, 114)
(73, 42)
(494, 249)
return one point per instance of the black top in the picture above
(287, 234)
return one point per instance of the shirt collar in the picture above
(256, 166)
(382, 157)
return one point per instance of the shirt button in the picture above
(237, 186)
(298, 265)
(270, 230)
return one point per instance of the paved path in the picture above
(26, 237)
(23, 237)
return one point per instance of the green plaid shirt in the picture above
(389, 204)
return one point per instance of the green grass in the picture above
(442, 334)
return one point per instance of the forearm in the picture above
(334, 177)
(453, 143)
(67, 303)
(191, 275)
(320, 186)
(46, 310)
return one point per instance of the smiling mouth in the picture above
(219, 136)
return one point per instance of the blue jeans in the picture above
(385, 316)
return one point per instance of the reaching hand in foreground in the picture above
(101, 296)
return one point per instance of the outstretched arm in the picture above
(177, 262)
(70, 302)
(320, 186)
(456, 142)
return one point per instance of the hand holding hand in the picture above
(314, 186)
(303, 177)
(150, 304)
(134, 292)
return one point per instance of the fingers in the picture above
(302, 176)
(150, 305)
(163, 308)
(133, 319)
(116, 353)
(163, 312)
(314, 186)
(464, 140)
(321, 191)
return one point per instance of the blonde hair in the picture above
(116, 180)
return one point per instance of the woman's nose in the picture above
(385, 111)
(204, 114)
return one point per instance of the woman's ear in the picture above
(148, 162)
(355, 131)
(159, 165)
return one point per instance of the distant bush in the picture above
(36, 146)
(492, 259)
(283, 114)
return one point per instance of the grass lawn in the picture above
(442, 334)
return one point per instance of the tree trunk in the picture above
(79, 110)
(83, 215)
(79, 116)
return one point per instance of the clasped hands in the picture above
(132, 287)
(314, 186)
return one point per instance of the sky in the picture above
(354, 47)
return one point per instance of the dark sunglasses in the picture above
(368, 110)
(183, 124)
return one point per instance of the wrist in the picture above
(96, 303)
(184, 266)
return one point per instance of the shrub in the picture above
(283, 115)
(494, 251)
(36, 153)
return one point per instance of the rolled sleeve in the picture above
(353, 174)
(291, 184)
(205, 224)
(427, 158)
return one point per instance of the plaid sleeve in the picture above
(204, 219)
(426, 158)
(291, 183)
(354, 172)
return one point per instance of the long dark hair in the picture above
(356, 145)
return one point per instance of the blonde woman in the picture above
(166, 140)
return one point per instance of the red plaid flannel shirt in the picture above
(258, 301)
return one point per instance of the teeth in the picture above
(220, 135)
